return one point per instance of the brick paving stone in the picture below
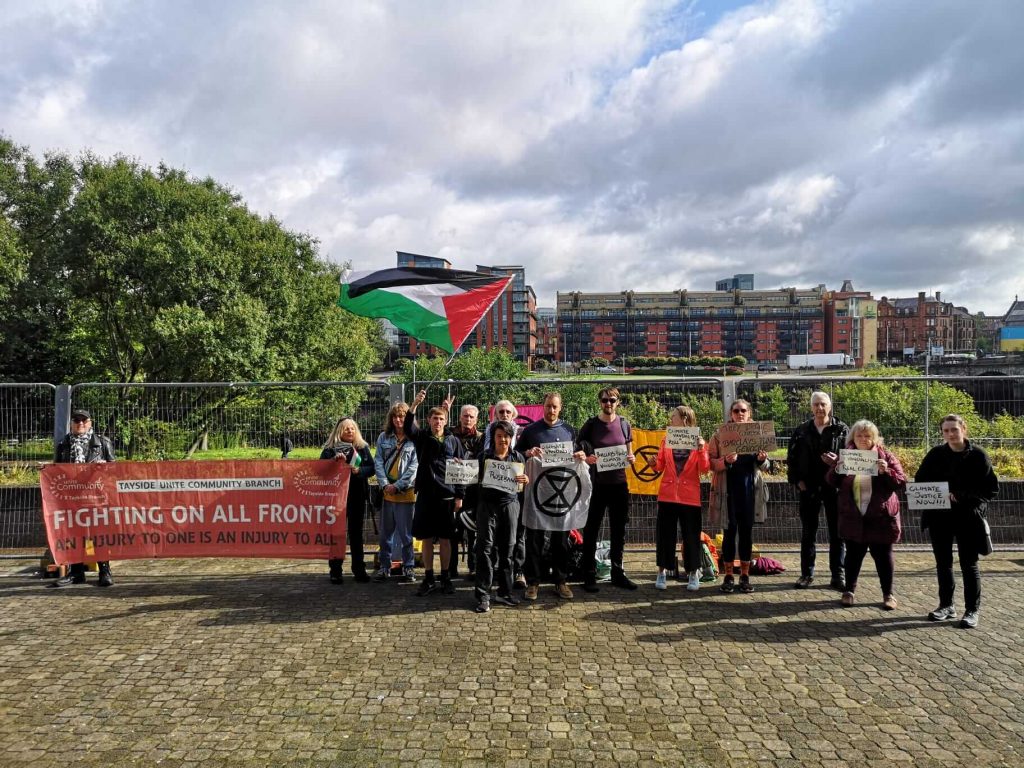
(241, 662)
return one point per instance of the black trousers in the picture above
(885, 564)
(688, 519)
(354, 516)
(558, 552)
(615, 500)
(811, 502)
(495, 534)
(943, 533)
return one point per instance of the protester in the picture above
(346, 444)
(679, 502)
(504, 410)
(472, 441)
(436, 501)
(84, 446)
(550, 429)
(497, 516)
(813, 448)
(737, 499)
(869, 512)
(396, 464)
(972, 484)
(606, 430)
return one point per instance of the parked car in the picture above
(767, 368)
(607, 369)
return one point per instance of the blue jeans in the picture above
(396, 523)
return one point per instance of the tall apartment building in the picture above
(760, 325)
(911, 325)
(743, 282)
(851, 323)
(547, 334)
(510, 323)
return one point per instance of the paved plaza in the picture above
(264, 662)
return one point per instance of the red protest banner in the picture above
(125, 510)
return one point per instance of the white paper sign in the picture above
(682, 438)
(501, 475)
(556, 454)
(611, 458)
(461, 472)
(854, 462)
(927, 495)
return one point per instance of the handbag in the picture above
(376, 494)
(983, 534)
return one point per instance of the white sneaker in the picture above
(694, 583)
(662, 581)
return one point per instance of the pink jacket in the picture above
(683, 488)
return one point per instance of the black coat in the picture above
(970, 476)
(803, 458)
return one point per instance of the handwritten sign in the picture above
(746, 437)
(611, 458)
(854, 462)
(501, 475)
(682, 438)
(556, 454)
(927, 495)
(461, 472)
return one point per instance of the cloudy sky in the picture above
(603, 144)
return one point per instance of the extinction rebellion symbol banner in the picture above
(125, 510)
(556, 498)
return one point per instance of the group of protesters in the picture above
(861, 510)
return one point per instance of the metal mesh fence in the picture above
(222, 420)
(908, 410)
(149, 422)
(26, 422)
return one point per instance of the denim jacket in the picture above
(407, 462)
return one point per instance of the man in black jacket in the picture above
(814, 444)
(84, 446)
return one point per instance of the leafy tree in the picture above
(134, 274)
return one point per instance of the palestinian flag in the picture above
(436, 306)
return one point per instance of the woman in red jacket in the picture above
(869, 512)
(679, 501)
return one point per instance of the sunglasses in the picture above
(506, 412)
(739, 410)
(79, 420)
(609, 399)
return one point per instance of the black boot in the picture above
(105, 578)
(620, 579)
(359, 573)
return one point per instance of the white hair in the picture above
(497, 407)
(820, 396)
(467, 408)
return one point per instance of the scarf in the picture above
(80, 447)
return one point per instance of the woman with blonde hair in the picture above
(869, 512)
(396, 464)
(736, 499)
(679, 501)
(346, 444)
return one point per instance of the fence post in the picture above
(728, 397)
(61, 414)
(396, 393)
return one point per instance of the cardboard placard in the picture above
(746, 437)
(854, 462)
(556, 454)
(928, 496)
(682, 438)
(611, 458)
(501, 475)
(461, 472)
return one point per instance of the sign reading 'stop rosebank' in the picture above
(124, 510)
